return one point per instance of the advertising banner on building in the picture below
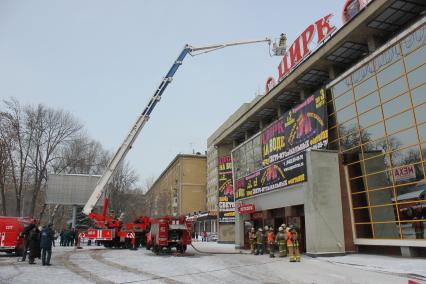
(301, 128)
(226, 190)
(227, 217)
(283, 146)
(281, 174)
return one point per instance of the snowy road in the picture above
(98, 265)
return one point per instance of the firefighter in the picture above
(280, 240)
(271, 243)
(73, 236)
(265, 239)
(252, 240)
(259, 241)
(34, 245)
(26, 235)
(62, 238)
(283, 41)
(293, 245)
(47, 239)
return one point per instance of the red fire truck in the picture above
(169, 232)
(111, 232)
(11, 237)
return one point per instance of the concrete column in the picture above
(74, 216)
(323, 205)
(261, 125)
(246, 135)
(234, 143)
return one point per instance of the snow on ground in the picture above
(222, 264)
(389, 264)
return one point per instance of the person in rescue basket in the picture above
(280, 239)
(34, 245)
(47, 238)
(259, 241)
(252, 240)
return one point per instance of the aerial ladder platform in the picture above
(120, 154)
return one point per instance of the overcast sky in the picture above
(102, 60)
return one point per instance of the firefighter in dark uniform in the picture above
(47, 239)
(26, 236)
(34, 245)
(252, 240)
(260, 238)
(265, 239)
(280, 240)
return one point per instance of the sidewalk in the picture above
(409, 267)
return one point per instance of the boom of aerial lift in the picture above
(144, 116)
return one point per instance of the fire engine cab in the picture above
(11, 237)
(169, 232)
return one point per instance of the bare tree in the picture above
(121, 184)
(81, 156)
(4, 168)
(18, 133)
(53, 129)
(148, 183)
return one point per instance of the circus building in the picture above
(336, 145)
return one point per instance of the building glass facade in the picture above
(377, 119)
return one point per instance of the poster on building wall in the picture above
(277, 175)
(226, 190)
(301, 128)
(227, 217)
(283, 147)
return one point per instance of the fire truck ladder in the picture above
(143, 118)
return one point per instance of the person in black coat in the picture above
(34, 245)
(26, 235)
(47, 239)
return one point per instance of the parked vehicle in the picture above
(12, 238)
(169, 232)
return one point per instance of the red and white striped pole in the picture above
(134, 241)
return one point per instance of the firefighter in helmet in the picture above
(283, 41)
(265, 239)
(293, 244)
(252, 240)
(271, 242)
(259, 241)
(280, 240)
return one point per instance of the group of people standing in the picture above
(265, 240)
(68, 237)
(38, 244)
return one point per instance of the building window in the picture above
(379, 113)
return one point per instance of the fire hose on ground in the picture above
(212, 252)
